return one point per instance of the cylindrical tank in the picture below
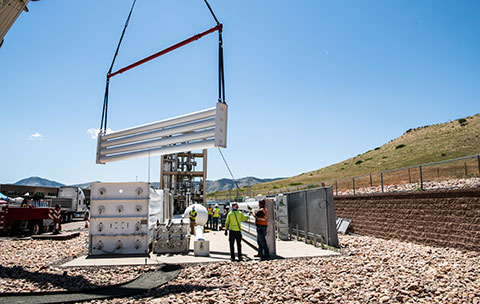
(202, 214)
(251, 204)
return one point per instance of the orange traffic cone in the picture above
(87, 221)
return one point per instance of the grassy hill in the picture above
(420, 145)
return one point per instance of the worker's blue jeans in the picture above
(262, 241)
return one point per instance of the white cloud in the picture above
(36, 136)
(93, 132)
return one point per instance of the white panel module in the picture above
(195, 131)
(119, 218)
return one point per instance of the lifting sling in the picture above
(194, 131)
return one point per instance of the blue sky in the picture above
(308, 83)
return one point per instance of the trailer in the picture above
(72, 202)
(27, 219)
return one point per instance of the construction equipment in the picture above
(195, 131)
(123, 217)
(72, 203)
(28, 219)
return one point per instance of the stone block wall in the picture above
(438, 218)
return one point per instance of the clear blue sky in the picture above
(308, 83)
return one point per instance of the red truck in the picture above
(27, 219)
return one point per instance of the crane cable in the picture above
(103, 123)
(221, 79)
(231, 174)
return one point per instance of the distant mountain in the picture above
(39, 182)
(228, 184)
(223, 184)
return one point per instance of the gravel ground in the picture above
(370, 270)
(24, 269)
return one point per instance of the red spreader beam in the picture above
(167, 50)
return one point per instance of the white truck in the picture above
(73, 203)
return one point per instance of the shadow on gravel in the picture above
(142, 286)
(66, 282)
(178, 288)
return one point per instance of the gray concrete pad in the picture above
(219, 251)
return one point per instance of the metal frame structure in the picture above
(194, 131)
(184, 175)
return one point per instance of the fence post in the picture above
(409, 176)
(466, 171)
(421, 177)
(336, 184)
(353, 182)
(381, 180)
(478, 160)
(438, 172)
(371, 183)
(306, 217)
(297, 232)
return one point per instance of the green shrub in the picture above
(400, 146)
(444, 154)
(370, 158)
(377, 148)
(462, 121)
(275, 187)
(358, 162)
(312, 186)
(295, 184)
(384, 157)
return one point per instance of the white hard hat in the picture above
(216, 205)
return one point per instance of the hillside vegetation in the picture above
(420, 145)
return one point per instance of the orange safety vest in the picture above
(262, 221)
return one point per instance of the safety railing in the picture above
(308, 237)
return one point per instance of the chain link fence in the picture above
(447, 174)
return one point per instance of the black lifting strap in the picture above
(221, 79)
(103, 123)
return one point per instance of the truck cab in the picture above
(72, 201)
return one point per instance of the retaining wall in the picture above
(439, 218)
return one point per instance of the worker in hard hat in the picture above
(224, 215)
(193, 217)
(215, 216)
(261, 223)
(210, 215)
(234, 225)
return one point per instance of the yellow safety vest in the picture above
(234, 220)
(210, 210)
(216, 212)
(193, 214)
(261, 221)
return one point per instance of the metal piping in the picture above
(160, 142)
(204, 144)
(209, 123)
(211, 112)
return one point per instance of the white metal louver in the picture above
(195, 131)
